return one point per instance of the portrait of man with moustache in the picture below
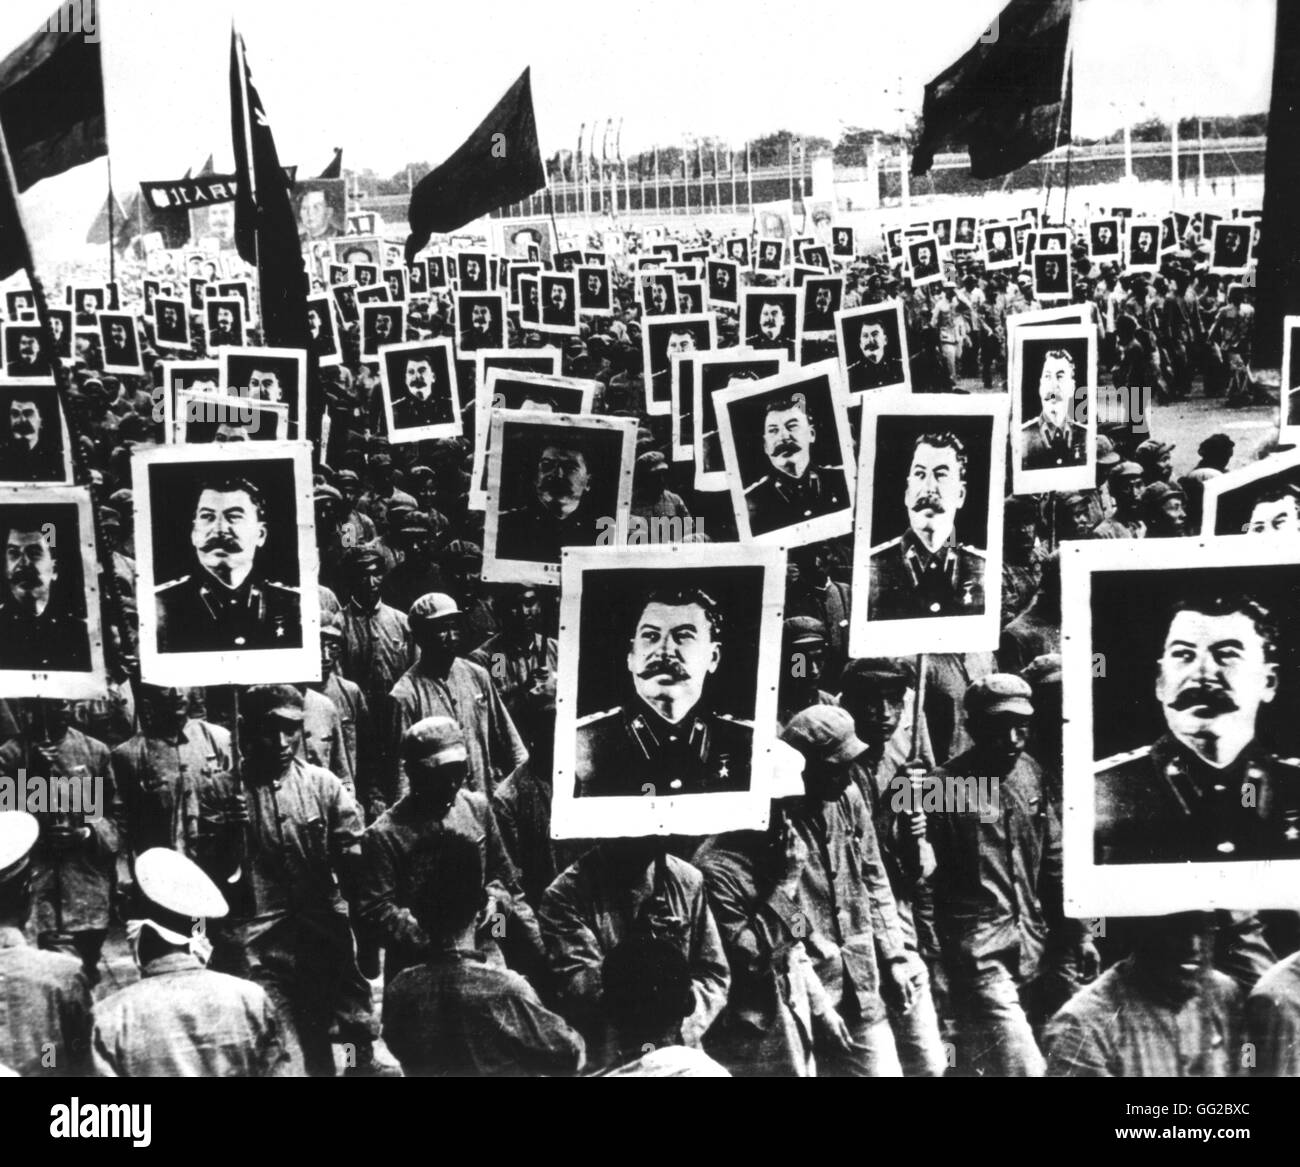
(33, 447)
(796, 489)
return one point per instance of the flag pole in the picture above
(63, 390)
(1060, 114)
(112, 233)
(248, 148)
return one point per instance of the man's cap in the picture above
(324, 490)
(1152, 450)
(651, 461)
(463, 550)
(803, 629)
(1126, 470)
(1107, 455)
(1158, 493)
(1019, 508)
(433, 606)
(18, 834)
(362, 554)
(274, 701)
(349, 476)
(435, 741)
(1216, 444)
(1043, 670)
(178, 885)
(880, 671)
(1000, 693)
(824, 732)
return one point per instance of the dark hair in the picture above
(785, 403)
(943, 440)
(232, 485)
(676, 597)
(646, 986)
(1228, 604)
(448, 884)
(1276, 492)
(1059, 354)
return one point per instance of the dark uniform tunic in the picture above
(54, 641)
(907, 581)
(626, 749)
(1163, 804)
(1045, 448)
(865, 374)
(777, 500)
(412, 411)
(197, 614)
(530, 533)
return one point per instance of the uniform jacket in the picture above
(44, 998)
(908, 582)
(196, 614)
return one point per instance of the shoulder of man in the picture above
(766, 480)
(890, 546)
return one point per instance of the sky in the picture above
(394, 81)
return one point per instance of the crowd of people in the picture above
(372, 852)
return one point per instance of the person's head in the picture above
(435, 620)
(659, 295)
(1126, 486)
(225, 318)
(1217, 668)
(117, 334)
(872, 340)
(31, 566)
(437, 762)
(1164, 508)
(1145, 241)
(272, 716)
(559, 296)
(594, 284)
(771, 319)
(171, 318)
(314, 213)
(264, 385)
(872, 691)
(383, 325)
(228, 528)
(480, 318)
(803, 655)
(1019, 528)
(827, 740)
(999, 240)
(24, 422)
(646, 992)
(924, 255)
(675, 644)
(56, 326)
(315, 321)
(562, 478)
(231, 430)
(473, 269)
(1056, 386)
(164, 710)
(788, 435)
(1216, 451)
(419, 377)
(1104, 235)
(999, 708)
(29, 348)
(363, 568)
(19, 832)
(722, 277)
(823, 301)
(680, 341)
(1173, 954)
(936, 486)
(520, 610)
(1275, 511)
(447, 887)
(1155, 459)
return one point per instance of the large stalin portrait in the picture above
(666, 741)
(226, 604)
(925, 571)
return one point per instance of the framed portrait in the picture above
(438, 277)
(1230, 253)
(1000, 250)
(1105, 241)
(354, 249)
(216, 417)
(771, 255)
(736, 249)
(1262, 498)
(119, 338)
(517, 272)
(480, 321)
(720, 606)
(51, 642)
(171, 323)
(24, 356)
(722, 277)
(35, 446)
(823, 298)
(1053, 276)
(381, 324)
(873, 347)
(1053, 409)
(930, 483)
(472, 271)
(788, 456)
(1143, 236)
(555, 480)
(61, 330)
(656, 292)
(225, 542)
(711, 373)
(530, 308)
(924, 261)
(661, 336)
(224, 316)
(1180, 781)
(770, 318)
(559, 296)
(418, 382)
(595, 293)
(277, 375)
(322, 336)
(843, 246)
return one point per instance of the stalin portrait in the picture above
(226, 603)
(926, 571)
(665, 740)
(796, 489)
(1207, 789)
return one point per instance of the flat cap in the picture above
(1217, 443)
(435, 741)
(433, 606)
(18, 833)
(1152, 450)
(1158, 493)
(1043, 670)
(1107, 455)
(361, 554)
(1125, 470)
(178, 885)
(325, 490)
(1000, 693)
(274, 701)
(824, 732)
(464, 549)
(803, 629)
(879, 671)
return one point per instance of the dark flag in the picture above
(206, 168)
(499, 163)
(266, 232)
(1003, 99)
(335, 168)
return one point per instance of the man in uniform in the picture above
(664, 738)
(796, 490)
(222, 328)
(561, 514)
(37, 631)
(481, 330)
(31, 453)
(1207, 790)
(181, 1020)
(227, 604)
(875, 364)
(27, 360)
(45, 1022)
(925, 571)
(771, 328)
(1052, 439)
(421, 405)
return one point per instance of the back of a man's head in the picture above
(448, 885)
(647, 990)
